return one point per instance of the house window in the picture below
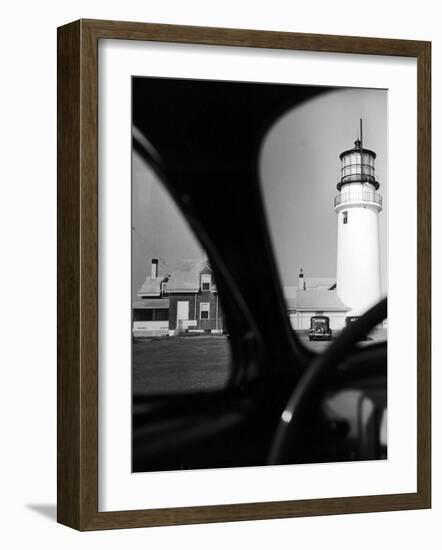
(151, 314)
(345, 217)
(204, 310)
(206, 281)
(161, 314)
(143, 315)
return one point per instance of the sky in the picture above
(158, 227)
(299, 167)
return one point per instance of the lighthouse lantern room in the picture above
(358, 277)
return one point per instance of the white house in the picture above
(314, 296)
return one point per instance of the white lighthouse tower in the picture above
(358, 278)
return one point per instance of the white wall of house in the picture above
(141, 328)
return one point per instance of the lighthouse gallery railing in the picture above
(358, 196)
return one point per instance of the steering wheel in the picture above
(322, 366)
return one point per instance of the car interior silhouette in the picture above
(283, 403)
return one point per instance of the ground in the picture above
(187, 363)
(180, 364)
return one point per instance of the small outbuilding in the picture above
(309, 303)
(151, 317)
(150, 311)
(314, 296)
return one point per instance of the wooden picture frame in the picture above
(78, 274)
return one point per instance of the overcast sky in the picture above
(299, 169)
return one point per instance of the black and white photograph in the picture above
(225, 216)
(259, 274)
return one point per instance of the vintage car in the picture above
(283, 402)
(320, 328)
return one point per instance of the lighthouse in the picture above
(358, 277)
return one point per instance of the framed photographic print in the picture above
(235, 210)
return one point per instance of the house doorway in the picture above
(182, 314)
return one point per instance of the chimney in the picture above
(301, 282)
(154, 269)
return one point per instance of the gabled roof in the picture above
(186, 276)
(320, 283)
(311, 283)
(319, 300)
(151, 287)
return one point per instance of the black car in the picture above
(320, 328)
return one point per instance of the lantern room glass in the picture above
(351, 165)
